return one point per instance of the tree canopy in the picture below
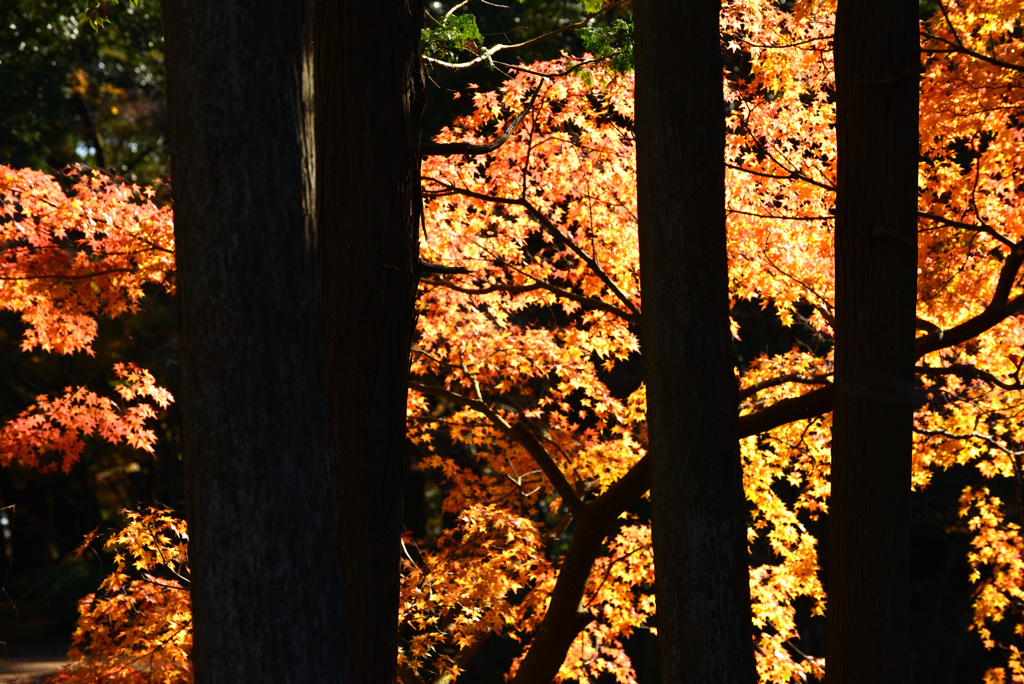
(527, 403)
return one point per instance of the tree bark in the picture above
(698, 509)
(876, 56)
(370, 97)
(266, 577)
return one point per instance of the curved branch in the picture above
(963, 370)
(428, 149)
(964, 50)
(799, 378)
(486, 56)
(520, 433)
(589, 302)
(999, 309)
(983, 228)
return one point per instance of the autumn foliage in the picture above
(526, 395)
(526, 403)
(138, 626)
(78, 248)
(73, 252)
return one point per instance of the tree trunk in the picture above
(369, 108)
(698, 508)
(876, 56)
(266, 599)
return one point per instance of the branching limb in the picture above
(486, 56)
(969, 372)
(520, 433)
(999, 309)
(465, 148)
(549, 227)
(964, 50)
(566, 615)
(588, 302)
(798, 378)
(552, 230)
(982, 228)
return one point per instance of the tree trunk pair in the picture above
(262, 401)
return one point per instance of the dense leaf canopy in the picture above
(527, 406)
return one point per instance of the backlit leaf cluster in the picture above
(526, 401)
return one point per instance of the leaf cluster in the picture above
(137, 627)
(68, 259)
(613, 42)
(454, 34)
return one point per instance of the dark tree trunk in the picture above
(698, 508)
(266, 576)
(876, 56)
(369, 107)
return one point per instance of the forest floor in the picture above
(30, 663)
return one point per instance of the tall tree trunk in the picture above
(369, 108)
(876, 56)
(698, 508)
(266, 577)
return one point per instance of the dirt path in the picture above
(30, 665)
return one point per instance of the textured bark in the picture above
(698, 508)
(266, 577)
(876, 54)
(369, 108)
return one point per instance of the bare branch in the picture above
(486, 56)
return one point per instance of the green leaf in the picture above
(614, 43)
(454, 34)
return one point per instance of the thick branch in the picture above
(810, 405)
(566, 616)
(799, 378)
(999, 309)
